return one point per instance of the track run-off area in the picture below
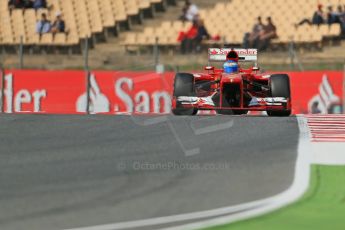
(144, 172)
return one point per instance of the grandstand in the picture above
(84, 19)
(111, 26)
(96, 18)
(230, 20)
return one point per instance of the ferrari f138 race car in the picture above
(232, 90)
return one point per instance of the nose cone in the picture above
(231, 78)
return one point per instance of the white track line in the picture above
(237, 212)
(297, 189)
(324, 156)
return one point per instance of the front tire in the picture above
(184, 86)
(280, 87)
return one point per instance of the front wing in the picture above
(256, 104)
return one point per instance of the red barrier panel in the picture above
(128, 92)
(64, 92)
(42, 91)
(317, 92)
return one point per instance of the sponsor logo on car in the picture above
(241, 52)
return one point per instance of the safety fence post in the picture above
(294, 57)
(87, 74)
(156, 51)
(2, 75)
(86, 54)
(292, 61)
(21, 53)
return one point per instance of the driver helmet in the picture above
(230, 66)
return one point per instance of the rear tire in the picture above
(184, 86)
(280, 87)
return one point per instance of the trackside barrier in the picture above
(110, 92)
(317, 92)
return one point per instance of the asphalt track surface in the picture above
(59, 172)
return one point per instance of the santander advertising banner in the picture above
(64, 92)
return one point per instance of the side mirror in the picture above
(209, 68)
(256, 68)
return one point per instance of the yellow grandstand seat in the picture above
(143, 4)
(46, 39)
(60, 39)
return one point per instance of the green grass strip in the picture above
(322, 207)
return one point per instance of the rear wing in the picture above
(245, 55)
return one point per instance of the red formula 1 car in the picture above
(232, 89)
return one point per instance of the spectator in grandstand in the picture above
(339, 14)
(341, 18)
(12, 4)
(27, 3)
(189, 12)
(318, 18)
(268, 33)
(191, 40)
(332, 16)
(184, 12)
(252, 39)
(58, 25)
(37, 4)
(43, 26)
(187, 38)
(202, 34)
